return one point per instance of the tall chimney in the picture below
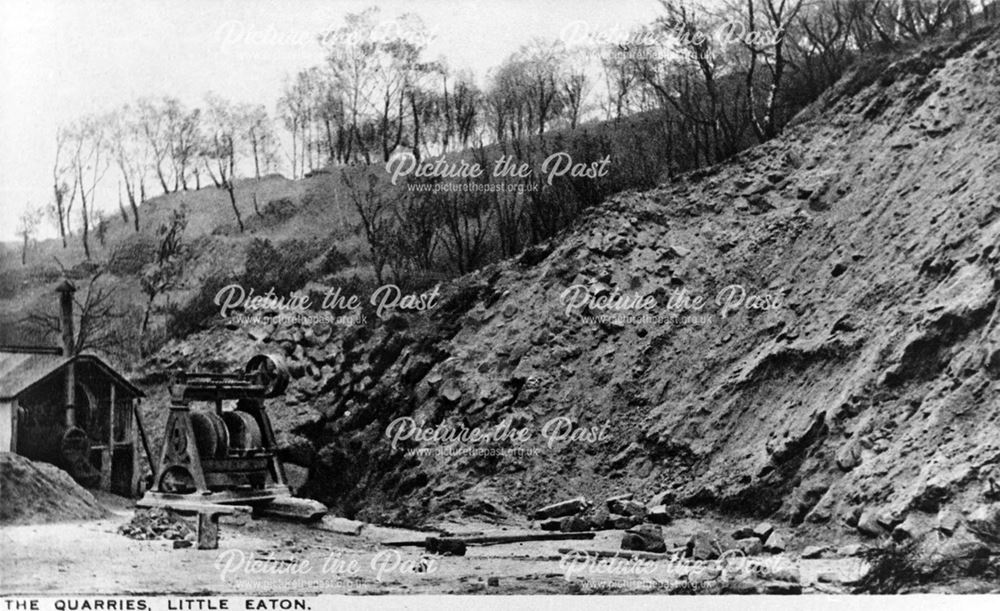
(66, 290)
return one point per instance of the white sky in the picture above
(62, 59)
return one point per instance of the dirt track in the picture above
(91, 558)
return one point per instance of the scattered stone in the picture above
(561, 509)
(947, 522)
(750, 546)
(644, 538)
(340, 525)
(626, 507)
(907, 529)
(617, 522)
(852, 550)
(828, 577)
(574, 524)
(493, 581)
(889, 519)
(659, 515)
(598, 517)
(775, 543)
(453, 547)
(868, 524)
(984, 522)
(744, 533)
(782, 588)
(451, 392)
(628, 496)
(814, 551)
(182, 543)
(849, 456)
(955, 557)
(852, 517)
(156, 523)
(788, 574)
(763, 530)
(702, 546)
(662, 498)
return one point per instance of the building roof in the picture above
(20, 369)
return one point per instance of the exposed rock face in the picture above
(858, 370)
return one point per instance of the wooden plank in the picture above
(196, 507)
(142, 433)
(108, 456)
(621, 553)
(500, 539)
(136, 485)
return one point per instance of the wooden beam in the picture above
(142, 434)
(134, 486)
(108, 455)
(15, 407)
(499, 539)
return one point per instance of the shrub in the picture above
(285, 268)
(185, 319)
(333, 261)
(131, 255)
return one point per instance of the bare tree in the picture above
(89, 164)
(131, 154)
(97, 317)
(778, 16)
(164, 272)
(574, 87)
(27, 227)
(152, 118)
(62, 172)
(225, 146)
(374, 204)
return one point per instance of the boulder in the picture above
(851, 550)
(775, 543)
(744, 533)
(781, 588)
(617, 522)
(907, 529)
(984, 523)
(661, 498)
(869, 525)
(750, 546)
(598, 517)
(849, 456)
(659, 514)
(553, 524)
(947, 522)
(626, 507)
(814, 551)
(644, 538)
(763, 530)
(953, 557)
(574, 524)
(703, 546)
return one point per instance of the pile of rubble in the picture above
(36, 492)
(157, 523)
(642, 526)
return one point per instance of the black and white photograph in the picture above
(455, 304)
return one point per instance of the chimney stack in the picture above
(66, 291)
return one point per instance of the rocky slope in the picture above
(863, 382)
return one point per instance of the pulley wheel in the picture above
(75, 444)
(244, 432)
(269, 371)
(210, 434)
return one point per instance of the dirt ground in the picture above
(90, 557)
